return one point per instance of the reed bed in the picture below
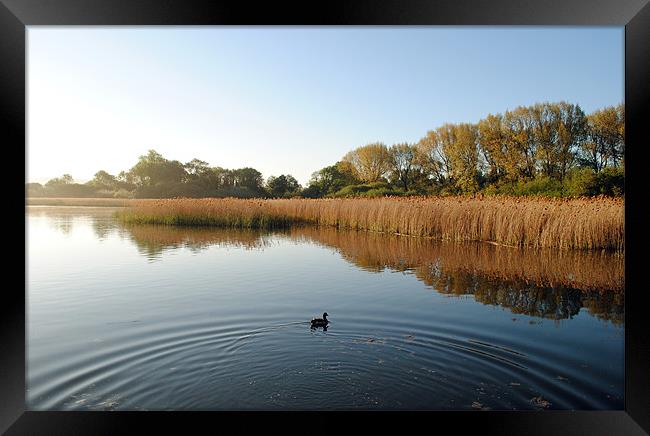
(585, 223)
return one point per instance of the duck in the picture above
(320, 322)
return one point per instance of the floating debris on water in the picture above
(540, 402)
(480, 406)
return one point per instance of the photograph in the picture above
(245, 218)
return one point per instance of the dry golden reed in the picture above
(585, 223)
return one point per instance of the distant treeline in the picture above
(551, 149)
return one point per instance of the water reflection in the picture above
(107, 329)
(64, 218)
(547, 284)
(153, 240)
(434, 261)
(544, 283)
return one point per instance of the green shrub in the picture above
(578, 182)
(539, 186)
(376, 189)
(381, 192)
(610, 181)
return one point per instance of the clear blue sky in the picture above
(290, 100)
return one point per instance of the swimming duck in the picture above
(320, 322)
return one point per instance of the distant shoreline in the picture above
(62, 201)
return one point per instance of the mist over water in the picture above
(159, 318)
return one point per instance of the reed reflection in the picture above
(549, 284)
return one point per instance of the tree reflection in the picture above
(153, 240)
(548, 284)
(542, 283)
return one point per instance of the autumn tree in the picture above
(431, 155)
(464, 156)
(619, 149)
(604, 142)
(370, 162)
(521, 147)
(545, 122)
(493, 146)
(571, 131)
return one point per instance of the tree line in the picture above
(154, 176)
(552, 149)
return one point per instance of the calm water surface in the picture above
(158, 318)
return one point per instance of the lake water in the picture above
(161, 318)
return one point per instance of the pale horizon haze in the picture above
(287, 100)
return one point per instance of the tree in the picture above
(153, 169)
(464, 157)
(104, 180)
(283, 186)
(545, 121)
(224, 177)
(329, 180)
(493, 145)
(604, 142)
(520, 145)
(370, 162)
(619, 150)
(572, 127)
(431, 155)
(249, 178)
(196, 168)
(125, 181)
(403, 163)
(66, 187)
(66, 179)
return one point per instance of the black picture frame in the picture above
(15, 15)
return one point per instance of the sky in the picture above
(289, 100)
